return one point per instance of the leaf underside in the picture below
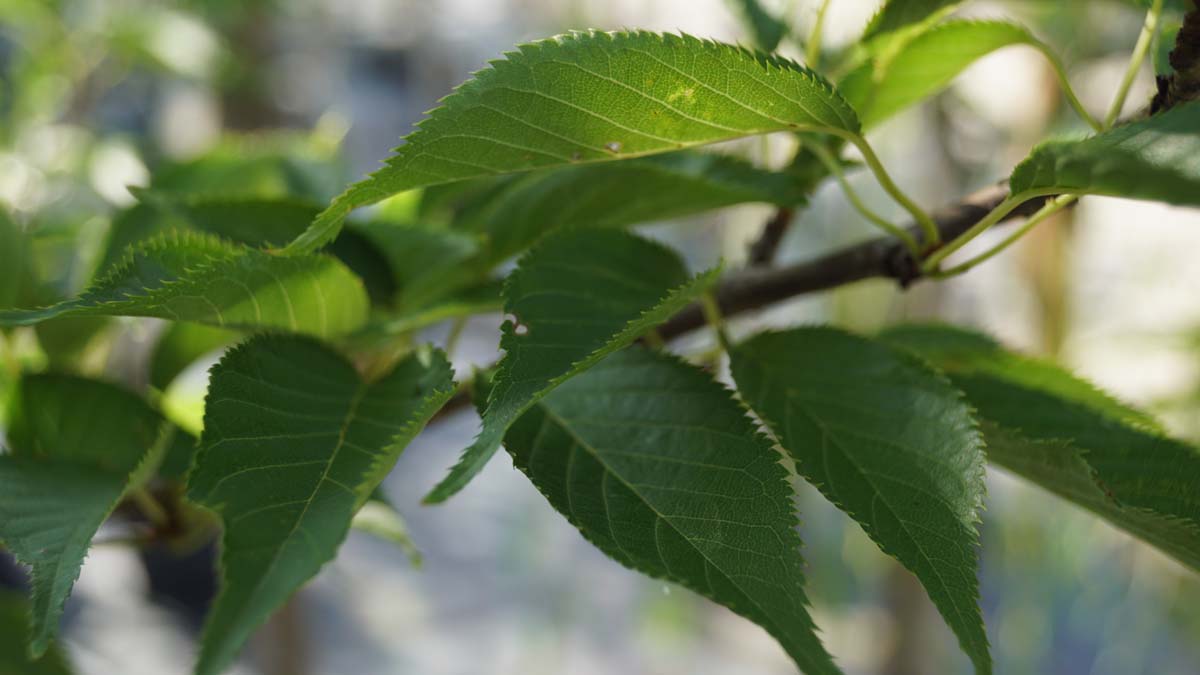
(591, 97)
(615, 194)
(662, 470)
(192, 277)
(1064, 435)
(578, 296)
(294, 443)
(890, 442)
(1157, 158)
(75, 446)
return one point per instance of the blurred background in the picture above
(99, 95)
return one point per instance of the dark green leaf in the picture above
(1061, 433)
(576, 297)
(661, 469)
(75, 446)
(427, 263)
(190, 277)
(890, 442)
(767, 29)
(1157, 158)
(181, 345)
(589, 97)
(14, 637)
(617, 194)
(16, 276)
(294, 443)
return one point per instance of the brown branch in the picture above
(764, 249)
(884, 257)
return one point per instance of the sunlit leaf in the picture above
(590, 97)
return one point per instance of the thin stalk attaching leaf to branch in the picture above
(1140, 49)
(928, 227)
(712, 313)
(997, 214)
(1052, 207)
(1060, 72)
(832, 165)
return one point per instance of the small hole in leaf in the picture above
(613, 146)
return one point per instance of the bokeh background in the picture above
(98, 95)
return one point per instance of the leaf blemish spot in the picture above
(613, 146)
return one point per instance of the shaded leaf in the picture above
(767, 29)
(427, 263)
(661, 469)
(75, 446)
(890, 442)
(14, 635)
(16, 275)
(189, 277)
(616, 194)
(589, 97)
(255, 221)
(1157, 158)
(294, 443)
(181, 345)
(576, 297)
(1061, 433)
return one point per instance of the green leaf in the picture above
(14, 635)
(190, 277)
(180, 346)
(925, 65)
(590, 97)
(16, 275)
(75, 446)
(379, 518)
(898, 16)
(254, 221)
(661, 469)
(577, 297)
(1061, 433)
(616, 194)
(767, 29)
(294, 443)
(1157, 158)
(890, 442)
(427, 263)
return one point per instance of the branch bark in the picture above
(884, 257)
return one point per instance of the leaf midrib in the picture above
(708, 562)
(355, 401)
(829, 438)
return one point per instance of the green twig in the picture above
(1149, 29)
(712, 313)
(932, 236)
(1060, 72)
(1050, 208)
(150, 507)
(996, 215)
(812, 50)
(832, 165)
